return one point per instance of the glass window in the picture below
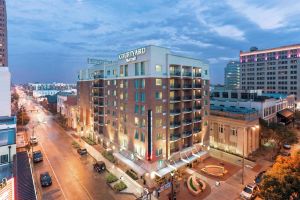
(158, 123)
(136, 97)
(142, 136)
(121, 70)
(4, 158)
(143, 97)
(158, 109)
(158, 82)
(142, 68)
(136, 108)
(136, 134)
(158, 95)
(136, 121)
(136, 84)
(158, 68)
(108, 73)
(136, 67)
(158, 136)
(142, 109)
(126, 70)
(142, 83)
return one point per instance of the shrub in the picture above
(132, 174)
(192, 185)
(120, 186)
(110, 178)
(89, 140)
(75, 145)
(109, 156)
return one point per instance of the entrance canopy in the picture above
(286, 116)
(139, 170)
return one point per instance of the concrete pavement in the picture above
(73, 175)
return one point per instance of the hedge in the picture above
(192, 186)
(75, 145)
(110, 178)
(132, 175)
(120, 186)
(109, 156)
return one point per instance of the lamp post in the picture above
(173, 194)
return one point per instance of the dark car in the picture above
(45, 179)
(259, 177)
(37, 156)
(82, 151)
(99, 166)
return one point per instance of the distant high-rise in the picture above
(232, 75)
(3, 34)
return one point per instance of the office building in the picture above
(272, 70)
(150, 106)
(232, 75)
(3, 34)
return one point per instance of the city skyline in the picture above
(46, 39)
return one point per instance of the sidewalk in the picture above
(132, 186)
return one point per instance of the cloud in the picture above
(267, 14)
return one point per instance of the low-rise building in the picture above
(71, 112)
(268, 106)
(62, 97)
(234, 130)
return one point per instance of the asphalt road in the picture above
(73, 176)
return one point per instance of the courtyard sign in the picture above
(132, 55)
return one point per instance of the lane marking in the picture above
(53, 171)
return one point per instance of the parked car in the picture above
(287, 146)
(249, 192)
(82, 151)
(99, 166)
(259, 177)
(37, 156)
(33, 139)
(45, 179)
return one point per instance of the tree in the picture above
(22, 117)
(282, 181)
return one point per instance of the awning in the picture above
(287, 113)
(162, 172)
(200, 154)
(139, 170)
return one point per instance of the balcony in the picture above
(175, 125)
(188, 74)
(96, 103)
(175, 112)
(186, 110)
(187, 98)
(197, 74)
(197, 107)
(197, 96)
(187, 86)
(197, 130)
(186, 134)
(175, 73)
(197, 86)
(174, 86)
(177, 98)
(174, 150)
(98, 85)
(174, 137)
(99, 76)
(187, 122)
(197, 119)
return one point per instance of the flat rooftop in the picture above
(233, 109)
(281, 48)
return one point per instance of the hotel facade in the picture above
(272, 70)
(151, 106)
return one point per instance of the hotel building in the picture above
(151, 106)
(232, 75)
(271, 70)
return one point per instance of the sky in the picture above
(50, 40)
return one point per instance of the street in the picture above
(72, 175)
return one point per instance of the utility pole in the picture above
(243, 163)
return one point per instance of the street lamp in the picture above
(173, 193)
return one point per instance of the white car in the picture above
(249, 192)
(33, 140)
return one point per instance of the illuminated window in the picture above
(158, 82)
(158, 109)
(158, 95)
(136, 121)
(142, 84)
(142, 136)
(158, 68)
(158, 123)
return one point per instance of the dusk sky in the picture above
(50, 40)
